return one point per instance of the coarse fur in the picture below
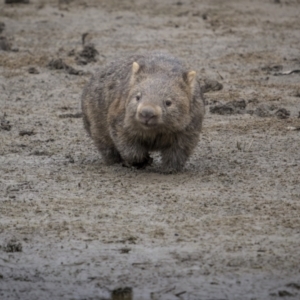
(144, 103)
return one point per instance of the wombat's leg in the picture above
(110, 155)
(146, 162)
(137, 157)
(175, 157)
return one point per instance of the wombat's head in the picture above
(159, 99)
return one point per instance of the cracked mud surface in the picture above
(227, 227)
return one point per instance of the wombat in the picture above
(144, 103)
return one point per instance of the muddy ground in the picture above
(227, 227)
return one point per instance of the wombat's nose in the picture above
(147, 113)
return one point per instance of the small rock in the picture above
(71, 52)
(4, 124)
(122, 293)
(59, 64)
(211, 85)
(222, 109)
(87, 55)
(40, 153)
(64, 1)
(33, 70)
(16, 1)
(70, 158)
(125, 250)
(12, 246)
(4, 44)
(26, 132)
(241, 104)
(76, 115)
(284, 294)
(2, 26)
(282, 113)
(230, 108)
(294, 285)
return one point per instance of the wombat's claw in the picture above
(139, 165)
(126, 164)
(149, 160)
(142, 165)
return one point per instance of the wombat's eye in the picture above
(168, 103)
(138, 97)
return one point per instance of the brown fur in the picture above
(144, 103)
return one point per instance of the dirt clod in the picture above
(16, 1)
(40, 153)
(87, 55)
(70, 158)
(125, 250)
(4, 44)
(76, 115)
(284, 293)
(33, 70)
(26, 132)
(59, 64)
(294, 285)
(2, 26)
(211, 86)
(12, 246)
(122, 294)
(5, 124)
(222, 109)
(282, 113)
(230, 108)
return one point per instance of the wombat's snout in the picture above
(148, 115)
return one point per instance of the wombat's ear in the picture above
(190, 79)
(135, 68)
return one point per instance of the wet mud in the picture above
(227, 227)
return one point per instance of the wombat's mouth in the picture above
(148, 124)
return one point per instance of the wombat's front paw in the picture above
(140, 165)
(111, 156)
(146, 162)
